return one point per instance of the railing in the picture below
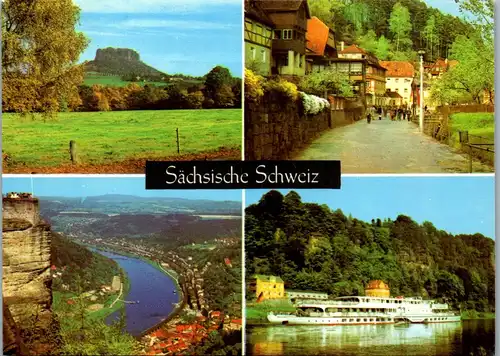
(478, 146)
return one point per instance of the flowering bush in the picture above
(253, 85)
(282, 87)
(313, 104)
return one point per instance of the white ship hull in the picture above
(346, 320)
(427, 319)
(307, 320)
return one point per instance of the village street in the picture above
(387, 147)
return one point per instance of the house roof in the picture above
(284, 5)
(317, 36)
(254, 11)
(352, 49)
(267, 278)
(398, 69)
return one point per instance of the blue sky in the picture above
(174, 36)
(447, 6)
(459, 204)
(90, 186)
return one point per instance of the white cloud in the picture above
(176, 24)
(150, 6)
(101, 33)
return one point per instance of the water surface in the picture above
(152, 288)
(468, 338)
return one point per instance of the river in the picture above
(152, 288)
(469, 338)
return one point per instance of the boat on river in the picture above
(361, 310)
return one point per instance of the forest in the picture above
(392, 29)
(312, 247)
(79, 264)
(397, 30)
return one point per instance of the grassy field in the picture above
(256, 313)
(114, 138)
(480, 124)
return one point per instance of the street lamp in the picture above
(421, 118)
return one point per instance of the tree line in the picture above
(391, 29)
(220, 90)
(312, 247)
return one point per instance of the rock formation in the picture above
(26, 263)
(121, 61)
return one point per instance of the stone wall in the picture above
(26, 262)
(273, 132)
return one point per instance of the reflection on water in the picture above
(450, 339)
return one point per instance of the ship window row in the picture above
(360, 310)
(436, 319)
(358, 320)
(396, 301)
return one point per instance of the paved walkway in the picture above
(386, 146)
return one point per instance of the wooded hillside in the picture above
(313, 247)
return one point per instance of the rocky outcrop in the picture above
(121, 61)
(26, 263)
(109, 53)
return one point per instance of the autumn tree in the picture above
(40, 50)
(217, 90)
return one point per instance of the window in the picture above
(356, 67)
(287, 34)
(397, 80)
(252, 51)
(406, 91)
(277, 34)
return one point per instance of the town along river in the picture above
(470, 337)
(152, 288)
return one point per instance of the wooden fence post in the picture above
(177, 133)
(470, 158)
(72, 152)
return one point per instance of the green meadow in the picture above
(112, 137)
(479, 124)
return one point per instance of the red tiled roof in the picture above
(316, 36)
(160, 333)
(353, 49)
(398, 69)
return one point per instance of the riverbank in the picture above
(171, 273)
(106, 311)
(474, 315)
(256, 313)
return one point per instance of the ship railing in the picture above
(323, 302)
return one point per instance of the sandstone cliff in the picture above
(26, 263)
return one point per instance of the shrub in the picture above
(313, 104)
(282, 88)
(253, 86)
(328, 80)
